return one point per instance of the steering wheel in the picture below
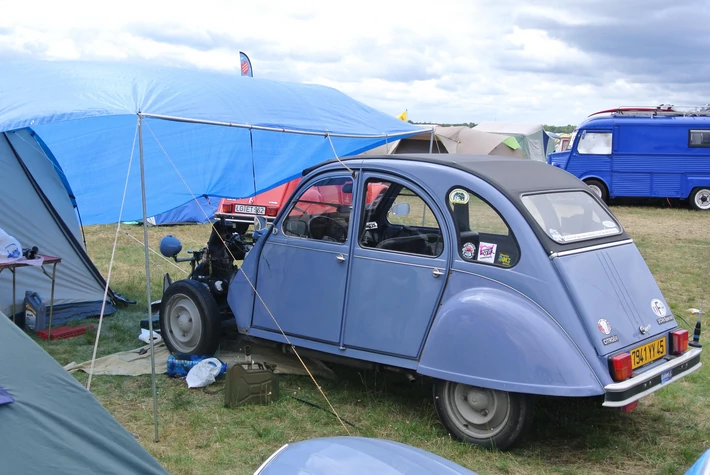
(327, 229)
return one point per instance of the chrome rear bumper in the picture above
(626, 392)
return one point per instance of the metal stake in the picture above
(147, 276)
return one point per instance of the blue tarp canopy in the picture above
(87, 115)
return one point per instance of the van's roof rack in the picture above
(661, 110)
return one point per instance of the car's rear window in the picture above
(571, 216)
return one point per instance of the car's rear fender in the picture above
(494, 337)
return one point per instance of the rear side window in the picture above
(482, 234)
(571, 216)
(594, 143)
(699, 139)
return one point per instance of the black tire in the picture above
(595, 185)
(465, 411)
(189, 319)
(241, 228)
(700, 199)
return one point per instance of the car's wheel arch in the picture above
(497, 339)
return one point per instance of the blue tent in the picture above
(196, 211)
(204, 133)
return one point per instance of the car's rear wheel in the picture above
(482, 416)
(189, 319)
(598, 188)
(700, 199)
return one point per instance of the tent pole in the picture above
(431, 140)
(147, 276)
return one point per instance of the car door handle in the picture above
(437, 272)
(340, 258)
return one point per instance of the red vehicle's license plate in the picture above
(249, 209)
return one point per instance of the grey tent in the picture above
(454, 139)
(36, 209)
(533, 139)
(54, 424)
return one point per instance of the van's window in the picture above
(483, 236)
(597, 143)
(699, 138)
(397, 219)
(322, 212)
(571, 216)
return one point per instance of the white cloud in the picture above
(446, 61)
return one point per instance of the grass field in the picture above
(667, 432)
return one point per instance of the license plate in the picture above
(648, 352)
(249, 209)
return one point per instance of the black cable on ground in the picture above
(324, 410)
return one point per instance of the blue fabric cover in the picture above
(86, 114)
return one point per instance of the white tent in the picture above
(37, 210)
(532, 137)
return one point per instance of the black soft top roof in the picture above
(511, 175)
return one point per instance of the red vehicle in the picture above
(240, 213)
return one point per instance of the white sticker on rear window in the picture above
(609, 224)
(458, 197)
(371, 225)
(487, 252)
(589, 235)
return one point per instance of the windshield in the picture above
(571, 216)
(571, 141)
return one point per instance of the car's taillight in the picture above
(227, 208)
(621, 366)
(272, 211)
(679, 341)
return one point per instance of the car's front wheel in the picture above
(189, 318)
(481, 416)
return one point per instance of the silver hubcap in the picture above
(184, 324)
(702, 199)
(477, 412)
(596, 190)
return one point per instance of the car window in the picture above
(483, 235)
(571, 216)
(322, 212)
(397, 219)
(598, 143)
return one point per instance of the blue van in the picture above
(642, 152)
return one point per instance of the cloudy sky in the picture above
(445, 61)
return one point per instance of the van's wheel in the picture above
(598, 188)
(700, 199)
(481, 416)
(189, 319)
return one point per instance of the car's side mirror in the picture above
(400, 209)
(170, 246)
(261, 228)
(259, 223)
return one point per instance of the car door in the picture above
(398, 269)
(304, 263)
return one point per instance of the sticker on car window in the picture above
(609, 224)
(487, 252)
(458, 197)
(503, 259)
(554, 234)
(468, 251)
(371, 225)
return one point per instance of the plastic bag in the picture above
(203, 373)
(10, 249)
(145, 336)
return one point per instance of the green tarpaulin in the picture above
(55, 426)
